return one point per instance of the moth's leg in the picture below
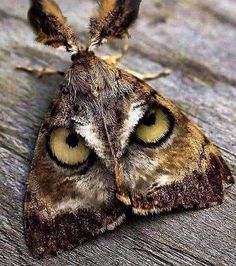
(41, 71)
(149, 76)
(115, 59)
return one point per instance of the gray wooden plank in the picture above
(196, 40)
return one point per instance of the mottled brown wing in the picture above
(70, 195)
(115, 17)
(169, 163)
(50, 26)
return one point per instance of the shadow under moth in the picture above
(109, 142)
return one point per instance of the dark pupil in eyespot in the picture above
(149, 119)
(72, 140)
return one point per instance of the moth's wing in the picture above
(49, 24)
(66, 201)
(115, 17)
(181, 169)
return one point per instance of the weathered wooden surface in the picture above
(197, 40)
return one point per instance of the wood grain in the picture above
(196, 40)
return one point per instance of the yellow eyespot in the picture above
(155, 126)
(67, 147)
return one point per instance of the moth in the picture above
(109, 142)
